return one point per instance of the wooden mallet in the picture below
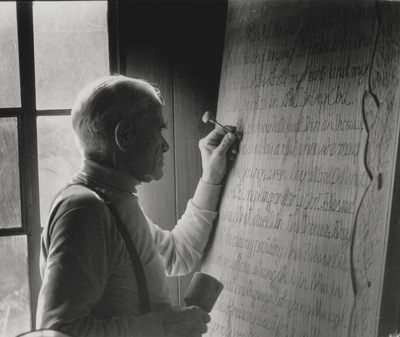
(207, 117)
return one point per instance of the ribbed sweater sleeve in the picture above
(184, 246)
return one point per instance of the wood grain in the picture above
(308, 208)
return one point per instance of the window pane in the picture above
(9, 68)
(10, 205)
(14, 301)
(71, 49)
(59, 158)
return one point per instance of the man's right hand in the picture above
(184, 321)
(216, 149)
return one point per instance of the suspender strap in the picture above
(135, 260)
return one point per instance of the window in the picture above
(9, 71)
(49, 52)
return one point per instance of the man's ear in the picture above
(124, 135)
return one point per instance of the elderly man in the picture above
(93, 285)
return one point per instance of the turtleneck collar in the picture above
(106, 177)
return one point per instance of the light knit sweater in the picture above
(89, 288)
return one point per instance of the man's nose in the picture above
(165, 145)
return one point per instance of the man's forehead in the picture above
(154, 115)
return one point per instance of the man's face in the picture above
(147, 156)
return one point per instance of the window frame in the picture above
(26, 116)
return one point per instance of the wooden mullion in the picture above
(122, 31)
(54, 112)
(28, 150)
(10, 112)
(13, 231)
(113, 37)
(26, 54)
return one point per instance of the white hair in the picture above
(101, 105)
